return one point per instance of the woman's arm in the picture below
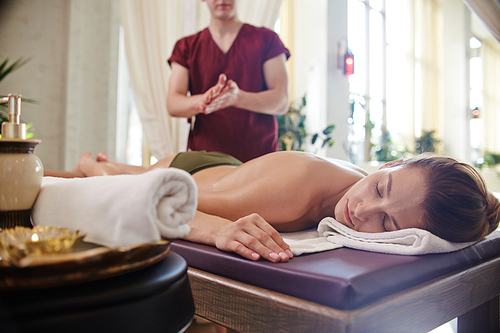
(250, 236)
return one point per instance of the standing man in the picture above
(232, 78)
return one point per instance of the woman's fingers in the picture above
(272, 240)
(252, 237)
(276, 237)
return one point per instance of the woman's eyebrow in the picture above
(389, 185)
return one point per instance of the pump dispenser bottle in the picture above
(21, 172)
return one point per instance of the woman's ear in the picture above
(390, 163)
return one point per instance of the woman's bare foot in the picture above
(102, 157)
(84, 159)
(88, 167)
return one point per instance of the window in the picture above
(378, 38)
(395, 85)
(475, 98)
(367, 39)
(129, 137)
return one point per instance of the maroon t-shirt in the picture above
(237, 132)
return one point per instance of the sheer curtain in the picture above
(428, 72)
(489, 12)
(151, 28)
(491, 97)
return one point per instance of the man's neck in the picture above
(220, 28)
(224, 32)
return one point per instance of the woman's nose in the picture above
(364, 210)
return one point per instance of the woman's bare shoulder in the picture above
(347, 165)
(302, 162)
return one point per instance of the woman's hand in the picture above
(252, 237)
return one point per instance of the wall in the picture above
(72, 74)
(38, 29)
(319, 25)
(92, 78)
(337, 82)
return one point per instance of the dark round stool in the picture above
(154, 299)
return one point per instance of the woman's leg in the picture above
(61, 174)
(133, 169)
(123, 168)
(89, 168)
(103, 166)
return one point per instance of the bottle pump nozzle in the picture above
(13, 129)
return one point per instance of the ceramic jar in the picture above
(21, 174)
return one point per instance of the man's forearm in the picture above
(184, 106)
(267, 102)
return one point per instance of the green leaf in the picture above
(16, 65)
(328, 130)
(4, 116)
(326, 141)
(4, 63)
(314, 138)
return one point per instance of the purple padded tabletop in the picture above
(341, 278)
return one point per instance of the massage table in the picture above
(347, 290)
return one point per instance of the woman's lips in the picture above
(346, 214)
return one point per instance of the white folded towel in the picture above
(332, 234)
(122, 210)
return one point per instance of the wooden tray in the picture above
(87, 262)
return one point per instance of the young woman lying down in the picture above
(242, 206)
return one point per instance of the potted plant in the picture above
(292, 132)
(426, 143)
(490, 170)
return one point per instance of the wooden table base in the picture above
(471, 295)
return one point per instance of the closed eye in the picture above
(378, 191)
(383, 223)
(380, 196)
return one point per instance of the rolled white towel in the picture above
(122, 210)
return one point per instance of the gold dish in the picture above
(81, 262)
(19, 242)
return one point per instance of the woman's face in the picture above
(387, 200)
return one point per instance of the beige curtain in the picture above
(490, 112)
(259, 12)
(151, 28)
(489, 12)
(428, 58)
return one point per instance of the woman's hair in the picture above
(457, 206)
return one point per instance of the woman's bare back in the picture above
(290, 190)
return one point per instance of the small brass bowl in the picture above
(19, 242)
